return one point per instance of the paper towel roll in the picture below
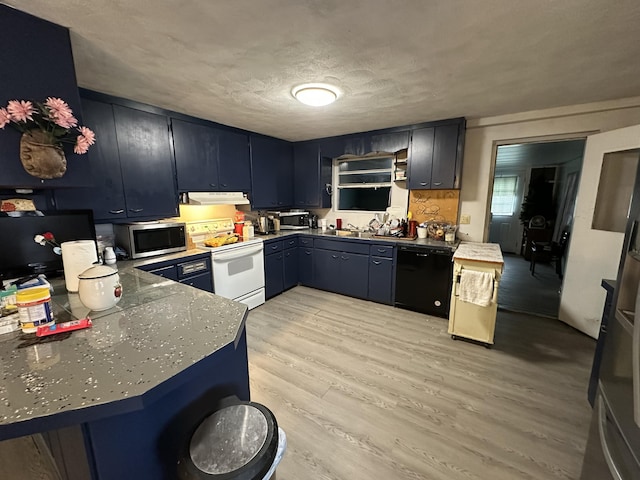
(76, 258)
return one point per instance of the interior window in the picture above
(503, 201)
(364, 183)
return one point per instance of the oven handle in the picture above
(244, 252)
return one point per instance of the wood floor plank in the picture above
(368, 391)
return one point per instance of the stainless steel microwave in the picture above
(147, 239)
(294, 220)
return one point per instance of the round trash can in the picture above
(238, 442)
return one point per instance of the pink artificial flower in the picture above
(5, 118)
(58, 107)
(20, 111)
(60, 112)
(88, 134)
(66, 122)
(82, 145)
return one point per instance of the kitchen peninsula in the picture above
(119, 400)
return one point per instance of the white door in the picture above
(505, 227)
(593, 254)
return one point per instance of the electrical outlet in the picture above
(465, 219)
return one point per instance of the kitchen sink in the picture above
(347, 233)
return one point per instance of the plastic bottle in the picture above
(34, 308)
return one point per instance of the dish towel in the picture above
(476, 287)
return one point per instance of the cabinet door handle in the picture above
(307, 252)
(423, 184)
(334, 256)
(437, 184)
(345, 258)
(225, 185)
(136, 210)
(376, 262)
(274, 247)
(117, 212)
(213, 185)
(382, 250)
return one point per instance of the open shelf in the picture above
(400, 164)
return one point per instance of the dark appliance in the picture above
(146, 239)
(20, 255)
(613, 445)
(313, 222)
(423, 279)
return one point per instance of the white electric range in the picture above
(237, 268)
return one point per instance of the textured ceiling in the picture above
(397, 62)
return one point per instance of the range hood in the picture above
(214, 198)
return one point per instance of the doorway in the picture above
(534, 191)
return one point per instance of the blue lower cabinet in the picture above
(326, 269)
(194, 271)
(341, 272)
(354, 274)
(290, 264)
(273, 274)
(381, 280)
(305, 266)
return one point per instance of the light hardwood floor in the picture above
(370, 392)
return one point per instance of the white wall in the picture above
(483, 135)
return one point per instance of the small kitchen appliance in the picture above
(265, 225)
(293, 220)
(313, 222)
(146, 239)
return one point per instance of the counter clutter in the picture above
(161, 347)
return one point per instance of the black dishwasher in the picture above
(423, 279)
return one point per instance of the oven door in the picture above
(238, 271)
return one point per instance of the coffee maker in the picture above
(313, 221)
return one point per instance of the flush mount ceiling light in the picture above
(315, 94)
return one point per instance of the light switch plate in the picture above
(465, 219)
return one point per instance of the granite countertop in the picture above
(420, 242)
(158, 330)
(479, 252)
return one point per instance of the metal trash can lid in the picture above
(228, 439)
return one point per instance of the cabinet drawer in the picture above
(381, 251)
(273, 247)
(305, 241)
(203, 281)
(341, 246)
(290, 242)
(194, 267)
(170, 272)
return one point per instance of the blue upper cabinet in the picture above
(210, 158)
(106, 197)
(271, 173)
(421, 159)
(312, 174)
(36, 63)
(146, 163)
(234, 161)
(435, 159)
(196, 152)
(132, 170)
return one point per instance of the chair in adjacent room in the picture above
(549, 251)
